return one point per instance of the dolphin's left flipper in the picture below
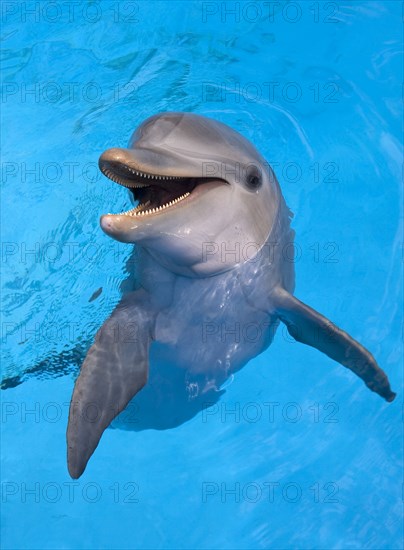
(310, 327)
(115, 369)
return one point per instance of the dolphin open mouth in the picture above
(155, 192)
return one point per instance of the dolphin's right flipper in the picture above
(115, 369)
(310, 327)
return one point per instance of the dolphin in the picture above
(210, 224)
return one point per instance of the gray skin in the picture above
(211, 267)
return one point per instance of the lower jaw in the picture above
(120, 228)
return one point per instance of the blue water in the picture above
(297, 453)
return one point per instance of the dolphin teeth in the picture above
(122, 180)
(149, 211)
(138, 212)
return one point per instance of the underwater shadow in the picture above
(168, 400)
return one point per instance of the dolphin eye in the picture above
(254, 179)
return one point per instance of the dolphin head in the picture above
(203, 193)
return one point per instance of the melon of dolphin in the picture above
(210, 225)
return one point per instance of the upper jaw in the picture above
(127, 172)
(147, 163)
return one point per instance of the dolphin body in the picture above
(211, 226)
